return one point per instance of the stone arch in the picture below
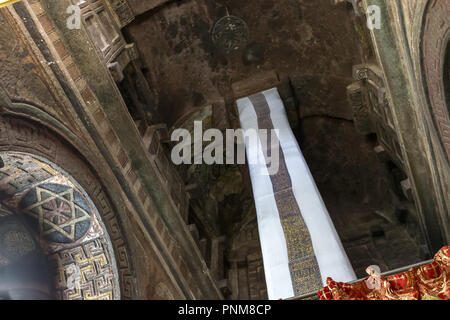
(434, 44)
(446, 77)
(24, 137)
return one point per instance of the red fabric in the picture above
(428, 282)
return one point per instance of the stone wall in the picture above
(407, 55)
(41, 70)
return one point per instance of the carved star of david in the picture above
(57, 216)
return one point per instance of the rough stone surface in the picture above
(300, 38)
(360, 194)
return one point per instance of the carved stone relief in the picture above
(78, 228)
(67, 224)
(122, 12)
(371, 110)
(434, 49)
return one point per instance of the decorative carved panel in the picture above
(102, 30)
(65, 203)
(122, 12)
(371, 110)
(434, 50)
(69, 228)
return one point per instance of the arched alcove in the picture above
(56, 194)
(67, 225)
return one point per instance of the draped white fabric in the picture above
(331, 257)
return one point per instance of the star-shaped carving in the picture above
(56, 212)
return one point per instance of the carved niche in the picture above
(371, 110)
(105, 34)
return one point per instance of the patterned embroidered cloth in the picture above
(299, 243)
(428, 282)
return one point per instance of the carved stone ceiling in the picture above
(312, 39)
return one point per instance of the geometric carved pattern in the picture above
(88, 272)
(60, 212)
(21, 135)
(68, 227)
(435, 39)
(20, 172)
(230, 33)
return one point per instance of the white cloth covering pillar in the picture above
(300, 245)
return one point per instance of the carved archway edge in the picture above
(26, 128)
(439, 159)
(434, 35)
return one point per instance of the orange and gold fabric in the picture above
(428, 282)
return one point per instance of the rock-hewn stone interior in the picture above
(367, 110)
(312, 45)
